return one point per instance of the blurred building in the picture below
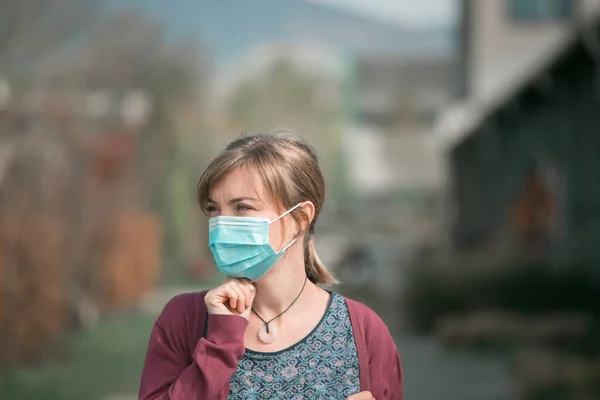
(392, 157)
(523, 142)
(390, 146)
(395, 170)
(398, 90)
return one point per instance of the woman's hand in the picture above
(234, 297)
(362, 396)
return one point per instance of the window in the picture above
(540, 10)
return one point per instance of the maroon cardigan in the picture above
(181, 364)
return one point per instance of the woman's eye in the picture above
(243, 207)
(211, 209)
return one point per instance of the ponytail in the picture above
(315, 270)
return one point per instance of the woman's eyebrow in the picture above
(244, 198)
(234, 200)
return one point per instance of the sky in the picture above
(407, 12)
(230, 28)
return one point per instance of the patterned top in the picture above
(324, 365)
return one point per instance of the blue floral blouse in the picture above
(324, 365)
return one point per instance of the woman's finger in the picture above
(248, 289)
(242, 298)
(236, 296)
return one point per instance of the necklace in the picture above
(268, 335)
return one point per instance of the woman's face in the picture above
(241, 194)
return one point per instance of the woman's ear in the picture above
(308, 209)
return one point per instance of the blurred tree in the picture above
(281, 94)
(33, 32)
(285, 96)
(79, 177)
(129, 52)
(76, 49)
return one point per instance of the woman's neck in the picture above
(279, 288)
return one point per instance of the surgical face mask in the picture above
(240, 245)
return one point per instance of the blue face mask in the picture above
(240, 245)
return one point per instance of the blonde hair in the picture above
(288, 167)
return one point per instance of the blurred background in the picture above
(460, 140)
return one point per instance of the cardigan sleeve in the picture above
(170, 372)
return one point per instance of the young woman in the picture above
(270, 331)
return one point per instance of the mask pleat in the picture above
(230, 254)
(251, 268)
(240, 246)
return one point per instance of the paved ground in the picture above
(433, 373)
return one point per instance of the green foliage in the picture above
(280, 95)
(285, 96)
(106, 360)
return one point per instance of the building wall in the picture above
(588, 8)
(502, 48)
(555, 127)
(391, 86)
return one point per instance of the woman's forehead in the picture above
(241, 182)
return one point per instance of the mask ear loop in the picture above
(286, 213)
(288, 246)
(281, 216)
